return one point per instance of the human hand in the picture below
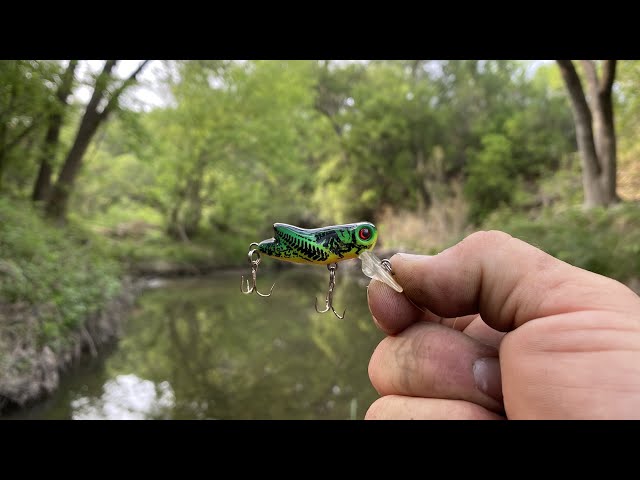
(532, 338)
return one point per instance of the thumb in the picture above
(507, 281)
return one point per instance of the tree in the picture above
(93, 117)
(43, 182)
(595, 129)
(25, 100)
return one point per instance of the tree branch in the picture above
(64, 89)
(326, 113)
(608, 76)
(22, 134)
(116, 94)
(100, 86)
(594, 99)
(574, 87)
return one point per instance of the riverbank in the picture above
(61, 295)
(32, 371)
(65, 292)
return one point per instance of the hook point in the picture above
(336, 313)
(266, 295)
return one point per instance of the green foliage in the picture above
(627, 95)
(531, 144)
(490, 175)
(64, 274)
(604, 241)
(321, 142)
(136, 253)
(564, 186)
(27, 97)
(114, 182)
(245, 144)
(235, 124)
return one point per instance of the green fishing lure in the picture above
(322, 246)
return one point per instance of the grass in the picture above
(604, 241)
(445, 222)
(63, 274)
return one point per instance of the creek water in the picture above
(199, 349)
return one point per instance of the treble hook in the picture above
(254, 270)
(329, 300)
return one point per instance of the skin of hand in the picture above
(494, 328)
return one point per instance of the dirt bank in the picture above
(29, 372)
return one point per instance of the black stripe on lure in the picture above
(322, 246)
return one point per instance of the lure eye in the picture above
(364, 233)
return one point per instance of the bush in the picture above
(491, 181)
(604, 241)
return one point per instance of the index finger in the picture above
(507, 281)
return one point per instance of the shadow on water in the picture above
(199, 349)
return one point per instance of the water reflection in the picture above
(126, 397)
(198, 349)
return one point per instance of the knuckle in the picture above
(487, 237)
(480, 240)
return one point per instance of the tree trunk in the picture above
(4, 129)
(604, 128)
(43, 182)
(175, 228)
(184, 221)
(193, 212)
(57, 202)
(595, 132)
(424, 196)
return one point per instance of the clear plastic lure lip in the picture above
(372, 267)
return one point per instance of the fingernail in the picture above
(410, 257)
(486, 372)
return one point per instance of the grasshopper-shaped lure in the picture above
(322, 246)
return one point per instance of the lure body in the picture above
(320, 246)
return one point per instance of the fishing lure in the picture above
(322, 246)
